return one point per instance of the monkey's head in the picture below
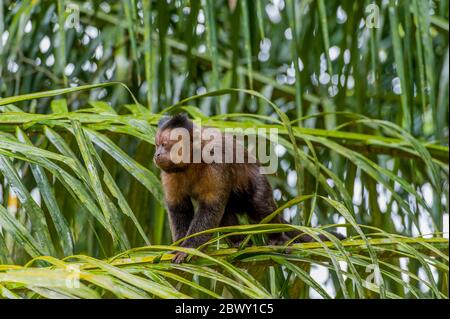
(170, 133)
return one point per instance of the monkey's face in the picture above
(165, 157)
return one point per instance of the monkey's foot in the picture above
(275, 242)
(237, 244)
(278, 240)
(179, 257)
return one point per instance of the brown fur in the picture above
(221, 191)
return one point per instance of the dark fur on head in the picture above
(176, 121)
(163, 120)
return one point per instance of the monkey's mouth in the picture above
(158, 161)
(168, 166)
(162, 163)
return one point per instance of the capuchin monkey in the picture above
(221, 189)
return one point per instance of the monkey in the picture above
(221, 189)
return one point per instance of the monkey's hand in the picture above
(179, 257)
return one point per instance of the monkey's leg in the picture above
(262, 204)
(181, 214)
(230, 219)
(208, 216)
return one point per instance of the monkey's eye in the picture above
(163, 144)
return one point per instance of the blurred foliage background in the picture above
(358, 89)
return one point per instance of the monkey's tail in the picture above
(305, 238)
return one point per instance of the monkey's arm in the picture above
(208, 216)
(181, 214)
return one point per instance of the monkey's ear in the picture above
(163, 120)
